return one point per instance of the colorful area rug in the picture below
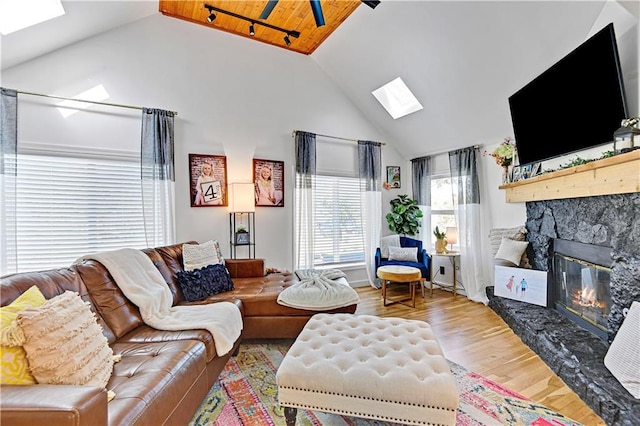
(246, 394)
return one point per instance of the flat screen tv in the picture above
(576, 104)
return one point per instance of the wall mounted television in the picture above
(576, 104)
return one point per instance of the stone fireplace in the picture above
(575, 354)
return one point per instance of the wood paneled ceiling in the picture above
(291, 15)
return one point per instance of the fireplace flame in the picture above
(588, 298)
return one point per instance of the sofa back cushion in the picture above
(119, 313)
(51, 283)
(168, 260)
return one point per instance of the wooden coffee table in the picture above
(400, 274)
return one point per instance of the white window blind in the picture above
(338, 232)
(69, 206)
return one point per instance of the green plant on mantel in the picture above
(580, 161)
(404, 217)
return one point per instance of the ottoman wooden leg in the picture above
(290, 414)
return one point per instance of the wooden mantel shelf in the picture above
(619, 174)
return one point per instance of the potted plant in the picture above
(242, 235)
(441, 240)
(405, 216)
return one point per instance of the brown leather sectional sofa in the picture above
(163, 375)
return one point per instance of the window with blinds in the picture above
(338, 227)
(67, 207)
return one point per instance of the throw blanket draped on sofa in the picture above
(142, 283)
(319, 291)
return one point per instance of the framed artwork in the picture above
(268, 180)
(536, 169)
(517, 173)
(207, 180)
(242, 238)
(393, 176)
(526, 171)
(525, 285)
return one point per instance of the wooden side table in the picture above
(400, 274)
(453, 255)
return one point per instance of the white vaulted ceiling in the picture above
(462, 60)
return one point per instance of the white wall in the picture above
(234, 97)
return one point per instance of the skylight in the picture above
(96, 94)
(397, 99)
(18, 14)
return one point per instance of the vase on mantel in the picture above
(505, 175)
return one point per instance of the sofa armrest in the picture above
(426, 261)
(378, 258)
(245, 268)
(53, 405)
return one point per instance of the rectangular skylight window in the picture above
(97, 94)
(18, 14)
(397, 99)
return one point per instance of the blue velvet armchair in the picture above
(423, 262)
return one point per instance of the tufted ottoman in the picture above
(388, 369)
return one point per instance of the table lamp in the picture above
(452, 235)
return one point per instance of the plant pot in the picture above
(441, 245)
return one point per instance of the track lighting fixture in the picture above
(252, 22)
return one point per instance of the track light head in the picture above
(252, 30)
(212, 16)
(286, 40)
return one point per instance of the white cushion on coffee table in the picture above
(389, 369)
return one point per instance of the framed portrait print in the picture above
(268, 180)
(526, 171)
(517, 173)
(207, 180)
(393, 176)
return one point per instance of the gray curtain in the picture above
(303, 198)
(369, 165)
(305, 158)
(464, 167)
(158, 176)
(8, 170)
(465, 186)
(370, 173)
(421, 180)
(421, 187)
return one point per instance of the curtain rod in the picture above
(445, 152)
(332, 137)
(82, 100)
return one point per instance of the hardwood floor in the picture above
(475, 337)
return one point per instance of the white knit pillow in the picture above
(196, 256)
(406, 254)
(623, 356)
(511, 250)
(64, 343)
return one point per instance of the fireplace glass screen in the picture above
(583, 289)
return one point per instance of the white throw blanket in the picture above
(388, 241)
(142, 283)
(319, 291)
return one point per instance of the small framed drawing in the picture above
(393, 176)
(242, 238)
(207, 180)
(536, 169)
(517, 173)
(526, 171)
(525, 285)
(268, 179)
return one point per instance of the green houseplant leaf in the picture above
(405, 216)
